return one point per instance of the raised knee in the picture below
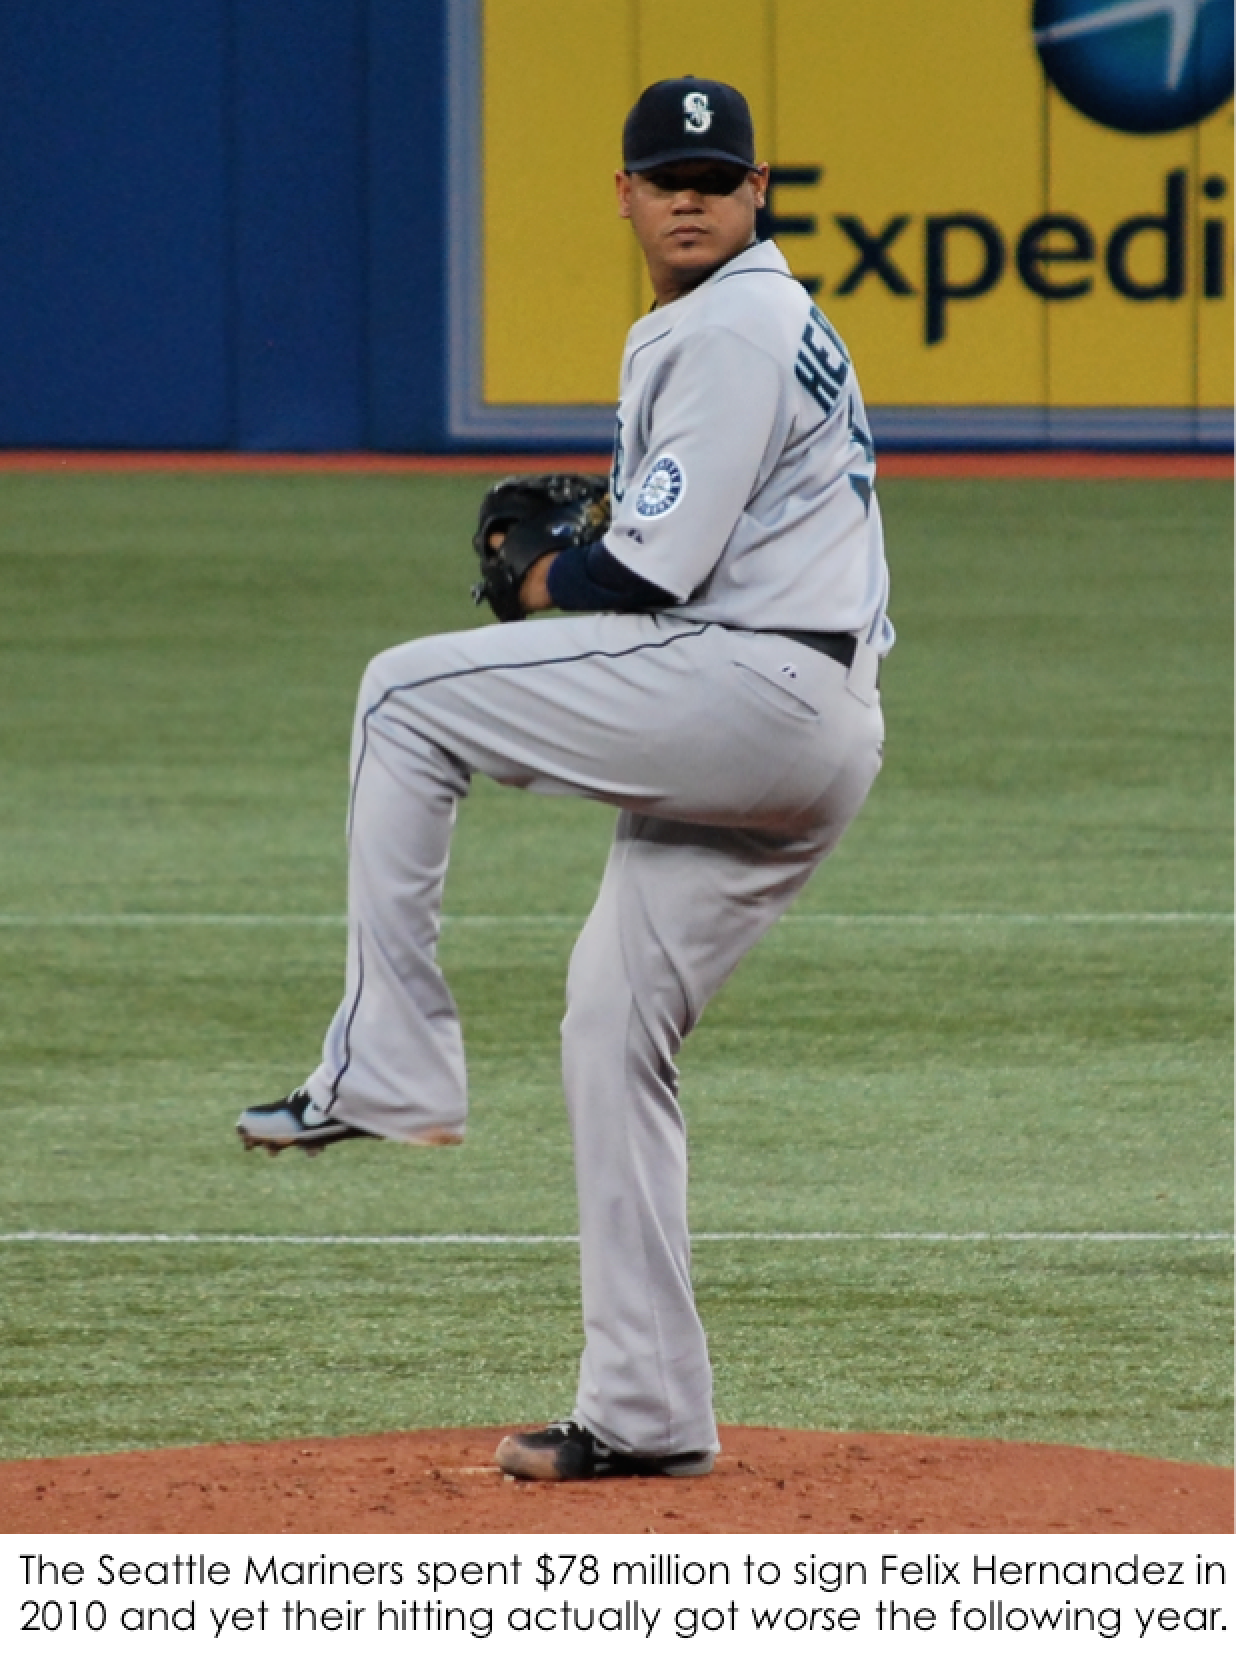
(401, 665)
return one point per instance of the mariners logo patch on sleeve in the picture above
(662, 487)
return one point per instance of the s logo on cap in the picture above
(698, 113)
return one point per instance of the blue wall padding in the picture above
(299, 121)
(220, 223)
(408, 211)
(115, 319)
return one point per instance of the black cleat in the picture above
(296, 1119)
(565, 1452)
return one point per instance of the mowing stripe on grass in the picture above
(483, 1239)
(1220, 917)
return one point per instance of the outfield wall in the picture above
(222, 223)
(388, 224)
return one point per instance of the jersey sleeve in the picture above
(712, 418)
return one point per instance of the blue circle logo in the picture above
(662, 487)
(1139, 65)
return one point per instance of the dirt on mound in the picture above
(767, 1481)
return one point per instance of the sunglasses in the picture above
(721, 180)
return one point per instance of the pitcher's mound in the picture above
(767, 1481)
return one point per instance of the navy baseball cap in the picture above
(688, 120)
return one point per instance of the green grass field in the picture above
(1000, 1014)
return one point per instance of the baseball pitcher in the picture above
(712, 676)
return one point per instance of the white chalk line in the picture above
(1170, 918)
(491, 1240)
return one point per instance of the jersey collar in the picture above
(763, 255)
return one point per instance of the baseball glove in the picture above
(522, 518)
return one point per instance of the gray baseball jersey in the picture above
(743, 474)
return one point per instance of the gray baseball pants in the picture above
(736, 760)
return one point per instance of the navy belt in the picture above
(841, 647)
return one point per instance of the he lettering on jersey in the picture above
(822, 361)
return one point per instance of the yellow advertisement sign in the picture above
(1018, 215)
